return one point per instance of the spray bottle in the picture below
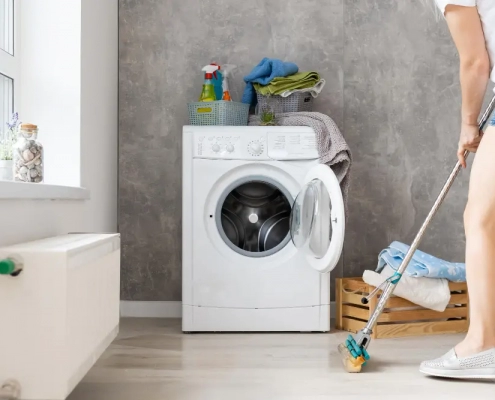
(208, 92)
(217, 81)
(227, 69)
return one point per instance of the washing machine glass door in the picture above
(317, 222)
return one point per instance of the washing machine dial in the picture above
(230, 148)
(255, 148)
(215, 148)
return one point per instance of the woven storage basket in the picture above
(218, 113)
(400, 317)
(296, 102)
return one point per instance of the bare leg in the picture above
(479, 222)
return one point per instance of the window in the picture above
(9, 62)
(47, 90)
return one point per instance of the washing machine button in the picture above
(230, 148)
(215, 148)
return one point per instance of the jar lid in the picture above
(29, 126)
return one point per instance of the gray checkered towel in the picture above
(332, 147)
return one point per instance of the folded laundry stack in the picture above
(425, 281)
(285, 86)
(422, 264)
(276, 77)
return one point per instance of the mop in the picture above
(354, 350)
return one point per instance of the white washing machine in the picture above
(263, 226)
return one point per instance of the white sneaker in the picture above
(478, 366)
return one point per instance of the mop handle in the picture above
(419, 237)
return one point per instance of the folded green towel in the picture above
(301, 80)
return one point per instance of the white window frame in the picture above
(10, 65)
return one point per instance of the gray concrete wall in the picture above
(392, 88)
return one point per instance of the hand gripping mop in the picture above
(353, 351)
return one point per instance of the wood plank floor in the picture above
(153, 360)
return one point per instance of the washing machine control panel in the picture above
(257, 145)
(217, 146)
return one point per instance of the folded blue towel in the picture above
(267, 70)
(422, 264)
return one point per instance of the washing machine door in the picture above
(317, 222)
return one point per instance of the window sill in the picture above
(41, 191)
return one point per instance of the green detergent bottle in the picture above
(208, 92)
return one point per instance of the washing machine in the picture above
(263, 226)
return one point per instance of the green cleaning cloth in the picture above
(301, 80)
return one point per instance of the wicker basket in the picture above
(401, 317)
(296, 102)
(218, 113)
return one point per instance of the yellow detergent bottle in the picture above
(208, 92)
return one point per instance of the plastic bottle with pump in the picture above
(208, 92)
(227, 69)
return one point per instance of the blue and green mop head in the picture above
(354, 357)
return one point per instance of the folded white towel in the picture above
(314, 91)
(425, 292)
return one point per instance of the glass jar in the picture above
(28, 155)
(268, 110)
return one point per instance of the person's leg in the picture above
(475, 356)
(479, 222)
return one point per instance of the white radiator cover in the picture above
(60, 314)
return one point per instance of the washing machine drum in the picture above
(258, 218)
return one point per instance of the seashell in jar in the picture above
(27, 155)
(33, 173)
(23, 170)
(33, 150)
(27, 145)
(37, 179)
(37, 162)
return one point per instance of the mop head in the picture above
(353, 357)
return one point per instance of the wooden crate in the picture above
(400, 317)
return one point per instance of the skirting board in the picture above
(151, 309)
(161, 309)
